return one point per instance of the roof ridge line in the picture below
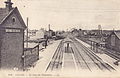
(7, 15)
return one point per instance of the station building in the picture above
(12, 29)
(113, 41)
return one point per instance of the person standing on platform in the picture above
(46, 41)
(67, 47)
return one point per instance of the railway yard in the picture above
(71, 55)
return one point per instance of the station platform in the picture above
(45, 57)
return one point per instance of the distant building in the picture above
(49, 34)
(38, 34)
(77, 32)
(113, 41)
(11, 37)
(32, 32)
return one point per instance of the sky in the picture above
(67, 14)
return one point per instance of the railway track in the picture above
(111, 54)
(80, 60)
(96, 60)
(85, 58)
(56, 61)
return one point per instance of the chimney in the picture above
(49, 27)
(8, 5)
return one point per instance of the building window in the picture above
(13, 20)
(12, 30)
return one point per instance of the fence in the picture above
(31, 55)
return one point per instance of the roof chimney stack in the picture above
(8, 5)
(49, 27)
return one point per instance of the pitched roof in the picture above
(3, 13)
(117, 34)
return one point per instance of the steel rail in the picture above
(81, 57)
(52, 62)
(90, 53)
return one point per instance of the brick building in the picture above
(11, 37)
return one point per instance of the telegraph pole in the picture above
(27, 34)
(100, 32)
(49, 30)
